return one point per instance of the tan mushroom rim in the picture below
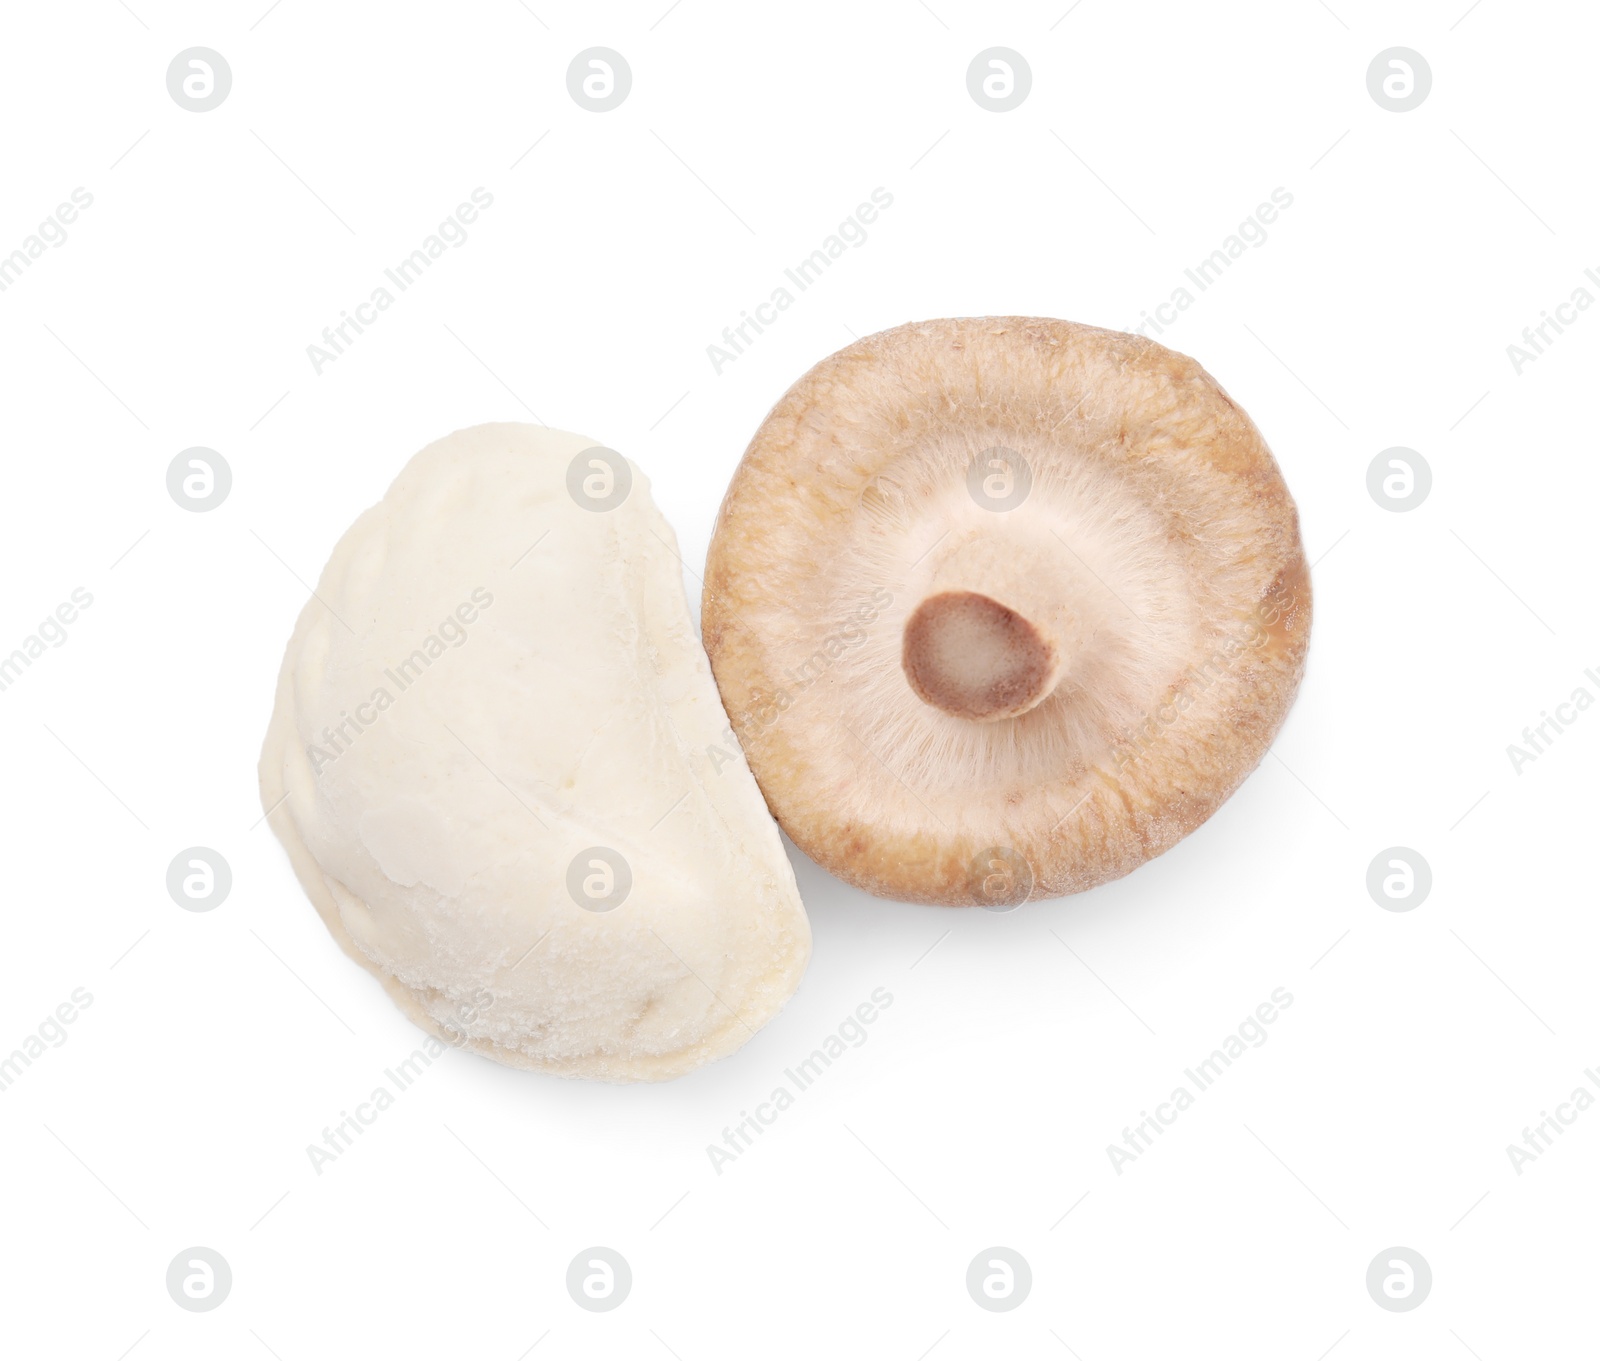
(1000, 608)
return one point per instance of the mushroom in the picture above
(1003, 607)
(487, 762)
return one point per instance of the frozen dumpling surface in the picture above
(491, 763)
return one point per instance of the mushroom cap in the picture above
(1002, 607)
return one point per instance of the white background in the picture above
(1378, 312)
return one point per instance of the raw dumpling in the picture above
(498, 763)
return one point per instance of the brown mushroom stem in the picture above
(998, 625)
(976, 658)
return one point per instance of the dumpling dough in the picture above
(491, 680)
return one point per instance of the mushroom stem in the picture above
(976, 658)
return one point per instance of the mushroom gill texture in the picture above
(1002, 607)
